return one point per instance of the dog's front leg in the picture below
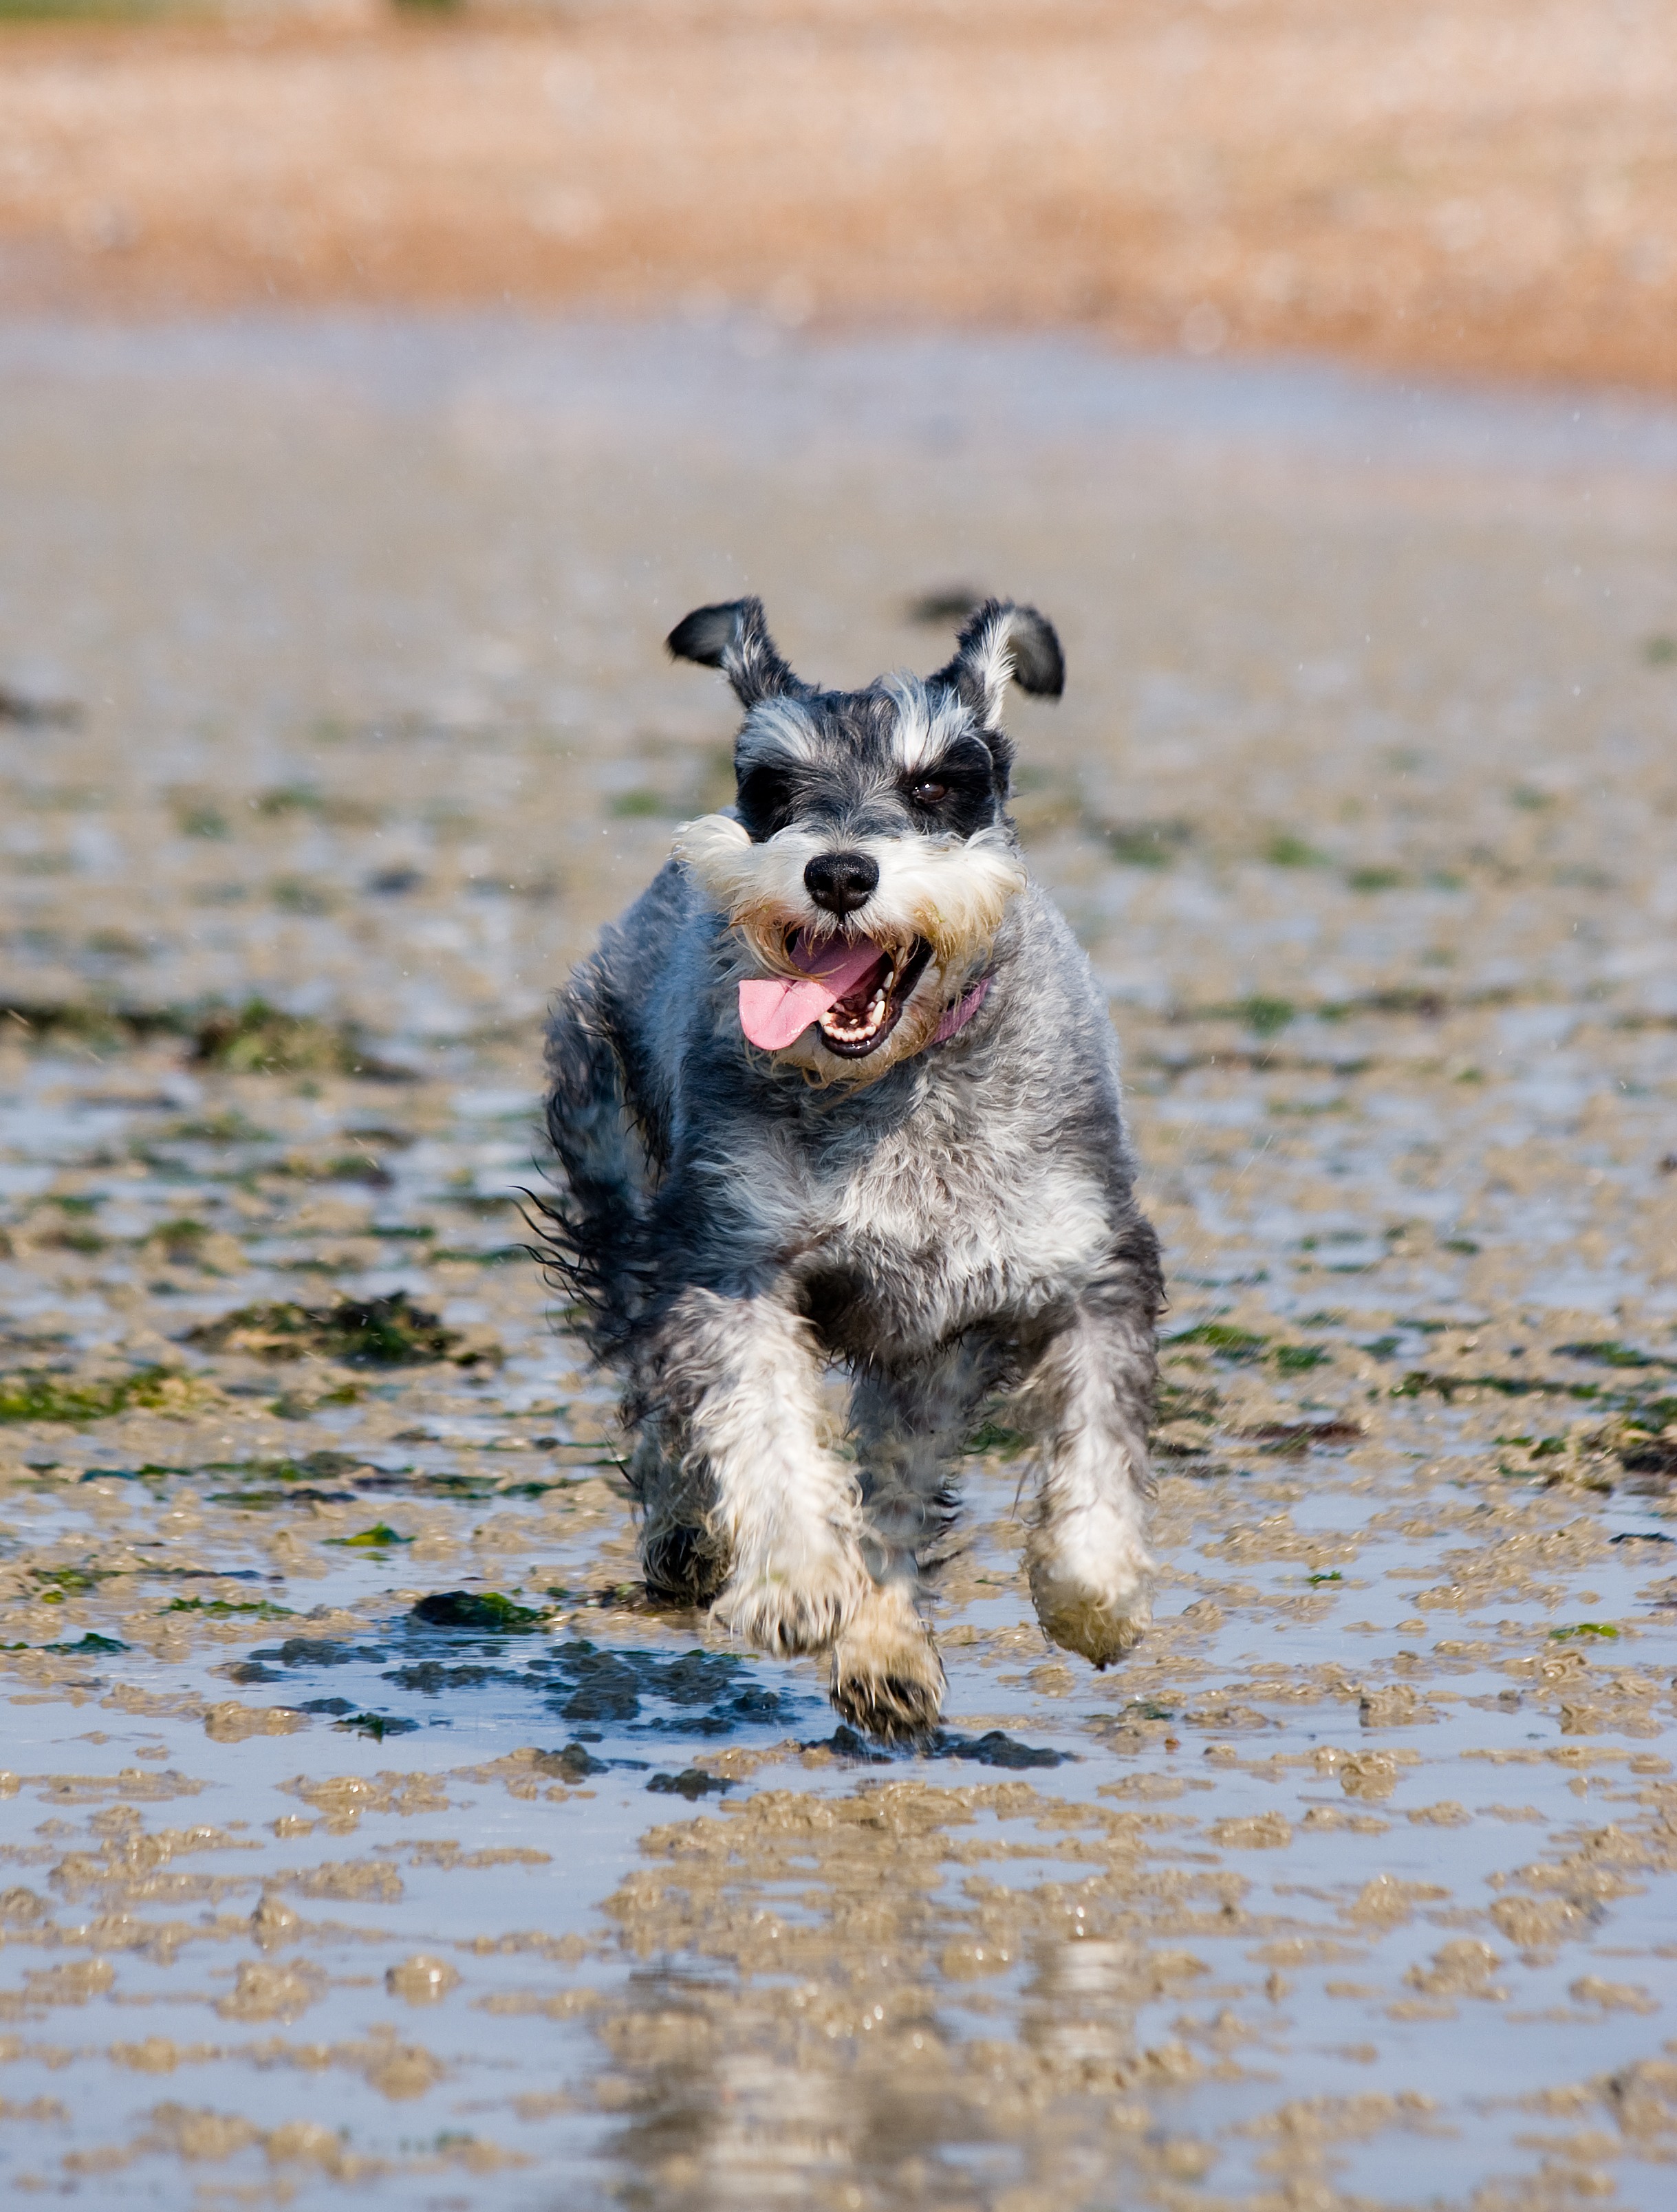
(1089, 1401)
(730, 1388)
(911, 1423)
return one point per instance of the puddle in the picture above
(362, 1827)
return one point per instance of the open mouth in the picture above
(859, 1021)
(851, 990)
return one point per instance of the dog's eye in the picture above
(928, 793)
(765, 797)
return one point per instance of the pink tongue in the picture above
(773, 1012)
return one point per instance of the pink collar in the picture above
(957, 1017)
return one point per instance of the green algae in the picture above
(40, 1395)
(479, 1609)
(1286, 850)
(1610, 1353)
(257, 1038)
(1145, 844)
(1238, 1346)
(377, 1726)
(388, 1332)
(221, 1608)
(1300, 1359)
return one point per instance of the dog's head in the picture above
(866, 821)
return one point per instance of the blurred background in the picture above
(1473, 185)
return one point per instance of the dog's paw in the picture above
(887, 1676)
(786, 1607)
(682, 1563)
(1099, 1606)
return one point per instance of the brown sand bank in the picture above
(1470, 185)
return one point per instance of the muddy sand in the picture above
(363, 1829)
(1472, 185)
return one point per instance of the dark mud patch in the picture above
(37, 710)
(994, 1749)
(302, 1651)
(692, 1783)
(711, 1692)
(573, 1762)
(430, 1678)
(698, 1693)
(1652, 1466)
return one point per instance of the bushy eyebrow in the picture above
(968, 757)
(928, 722)
(777, 733)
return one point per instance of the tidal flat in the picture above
(363, 1830)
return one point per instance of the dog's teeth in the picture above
(867, 1025)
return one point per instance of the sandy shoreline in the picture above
(1490, 190)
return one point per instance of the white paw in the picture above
(887, 1676)
(785, 1606)
(1091, 1597)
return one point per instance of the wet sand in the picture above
(1486, 186)
(363, 1828)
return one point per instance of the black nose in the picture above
(841, 881)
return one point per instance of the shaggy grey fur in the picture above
(947, 1218)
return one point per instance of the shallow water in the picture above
(1356, 1884)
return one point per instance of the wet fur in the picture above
(952, 1227)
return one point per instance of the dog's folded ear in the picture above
(734, 638)
(1000, 643)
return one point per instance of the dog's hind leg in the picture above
(1090, 1402)
(727, 1393)
(601, 1155)
(595, 1229)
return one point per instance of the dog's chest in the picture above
(937, 1224)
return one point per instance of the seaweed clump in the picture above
(258, 1039)
(485, 1610)
(254, 1038)
(39, 1395)
(390, 1332)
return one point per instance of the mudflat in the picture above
(363, 1829)
(1464, 184)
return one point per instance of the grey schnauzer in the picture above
(839, 1095)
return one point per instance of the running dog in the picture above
(838, 1092)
